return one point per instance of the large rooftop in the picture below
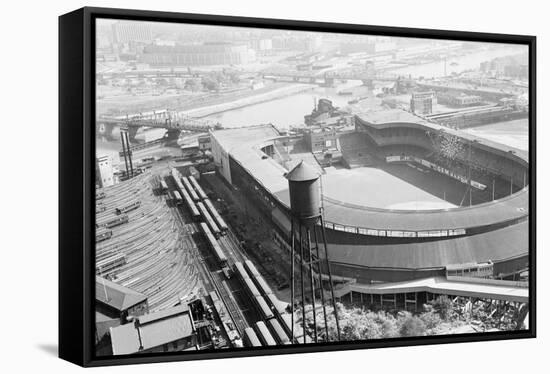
(387, 118)
(507, 243)
(115, 295)
(152, 330)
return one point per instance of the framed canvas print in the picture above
(236, 186)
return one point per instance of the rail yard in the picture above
(160, 235)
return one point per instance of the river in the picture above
(285, 111)
(455, 64)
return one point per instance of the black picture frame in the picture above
(76, 176)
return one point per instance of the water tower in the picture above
(307, 232)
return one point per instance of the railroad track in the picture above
(212, 281)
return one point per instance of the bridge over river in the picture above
(171, 120)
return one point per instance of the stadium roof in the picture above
(508, 208)
(498, 245)
(397, 117)
(244, 145)
(115, 295)
(152, 330)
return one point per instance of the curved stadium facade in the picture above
(374, 244)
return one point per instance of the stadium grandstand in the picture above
(482, 216)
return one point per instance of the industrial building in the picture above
(104, 171)
(221, 53)
(321, 139)
(423, 102)
(118, 302)
(169, 330)
(126, 31)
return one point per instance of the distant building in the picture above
(104, 171)
(131, 31)
(517, 71)
(205, 143)
(198, 54)
(459, 99)
(295, 43)
(169, 330)
(261, 45)
(370, 45)
(321, 139)
(510, 66)
(423, 102)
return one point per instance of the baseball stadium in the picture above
(399, 207)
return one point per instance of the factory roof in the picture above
(115, 295)
(152, 330)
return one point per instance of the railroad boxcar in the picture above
(179, 186)
(263, 286)
(209, 220)
(104, 235)
(195, 214)
(264, 308)
(239, 269)
(163, 187)
(250, 338)
(175, 174)
(214, 246)
(190, 189)
(219, 220)
(263, 333)
(278, 332)
(109, 264)
(100, 195)
(128, 208)
(251, 269)
(117, 221)
(198, 188)
(251, 288)
(177, 198)
(278, 306)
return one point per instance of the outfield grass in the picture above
(394, 187)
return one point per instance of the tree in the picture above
(210, 84)
(448, 147)
(412, 326)
(430, 318)
(193, 85)
(443, 306)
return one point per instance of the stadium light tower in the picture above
(307, 226)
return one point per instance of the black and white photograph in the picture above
(268, 187)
